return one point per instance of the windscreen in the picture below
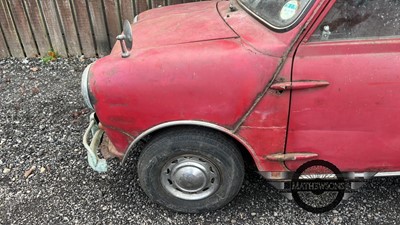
(279, 14)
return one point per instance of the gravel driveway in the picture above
(42, 118)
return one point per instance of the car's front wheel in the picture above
(191, 170)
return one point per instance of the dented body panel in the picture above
(195, 89)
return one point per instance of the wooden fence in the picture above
(30, 28)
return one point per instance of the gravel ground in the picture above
(42, 119)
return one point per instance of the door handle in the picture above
(299, 85)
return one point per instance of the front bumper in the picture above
(99, 165)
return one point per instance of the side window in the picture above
(360, 19)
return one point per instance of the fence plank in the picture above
(3, 46)
(53, 26)
(112, 18)
(38, 26)
(141, 5)
(157, 3)
(10, 33)
(84, 28)
(127, 10)
(68, 24)
(174, 2)
(99, 27)
(70, 27)
(24, 31)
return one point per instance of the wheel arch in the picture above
(246, 150)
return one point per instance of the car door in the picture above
(354, 121)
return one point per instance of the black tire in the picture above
(191, 145)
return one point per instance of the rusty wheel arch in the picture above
(248, 153)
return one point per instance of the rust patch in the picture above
(108, 150)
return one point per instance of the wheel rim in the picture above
(190, 177)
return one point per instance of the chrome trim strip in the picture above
(136, 19)
(287, 175)
(85, 86)
(388, 174)
(300, 16)
(190, 123)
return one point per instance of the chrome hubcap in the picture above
(190, 177)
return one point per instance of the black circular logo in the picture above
(318, 186)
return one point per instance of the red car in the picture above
(207, 86)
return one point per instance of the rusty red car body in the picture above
(283, 98)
